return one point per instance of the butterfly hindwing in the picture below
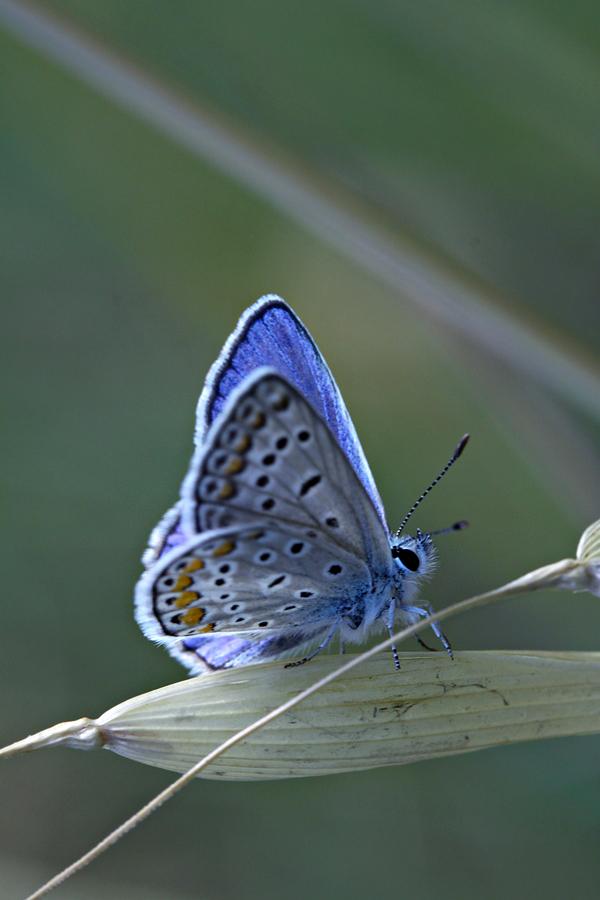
(204, 653)
(255, 578)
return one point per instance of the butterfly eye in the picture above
(408, 558)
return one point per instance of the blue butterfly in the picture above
(279, 540)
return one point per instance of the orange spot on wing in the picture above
(186, 598)
(207, 628)
(236, 465)
(226, 491)
(194, 565)
(224, 548)
(182, 582)
(193, 616)
(258, 421)
(282, 402)
(243, 445)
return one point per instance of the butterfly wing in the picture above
(205, 653)
(166, 535)
(269, 456)
(270, 334)
(285, 540)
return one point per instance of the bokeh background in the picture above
(463, 138)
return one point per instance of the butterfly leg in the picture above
(390, 628)
(442, 639)
(324, 643)
(419, 610)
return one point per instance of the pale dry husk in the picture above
(374, 716)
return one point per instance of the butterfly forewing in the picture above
(270, 457)
(270, 334)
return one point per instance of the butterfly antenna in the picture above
(456, 526)
(458, 451)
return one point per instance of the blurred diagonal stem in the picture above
(436, 291)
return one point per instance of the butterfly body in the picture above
(278, 541)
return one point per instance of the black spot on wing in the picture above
(309, 484)
(279, 579)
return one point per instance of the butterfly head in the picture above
(414, 556)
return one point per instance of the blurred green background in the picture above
(468, 134)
